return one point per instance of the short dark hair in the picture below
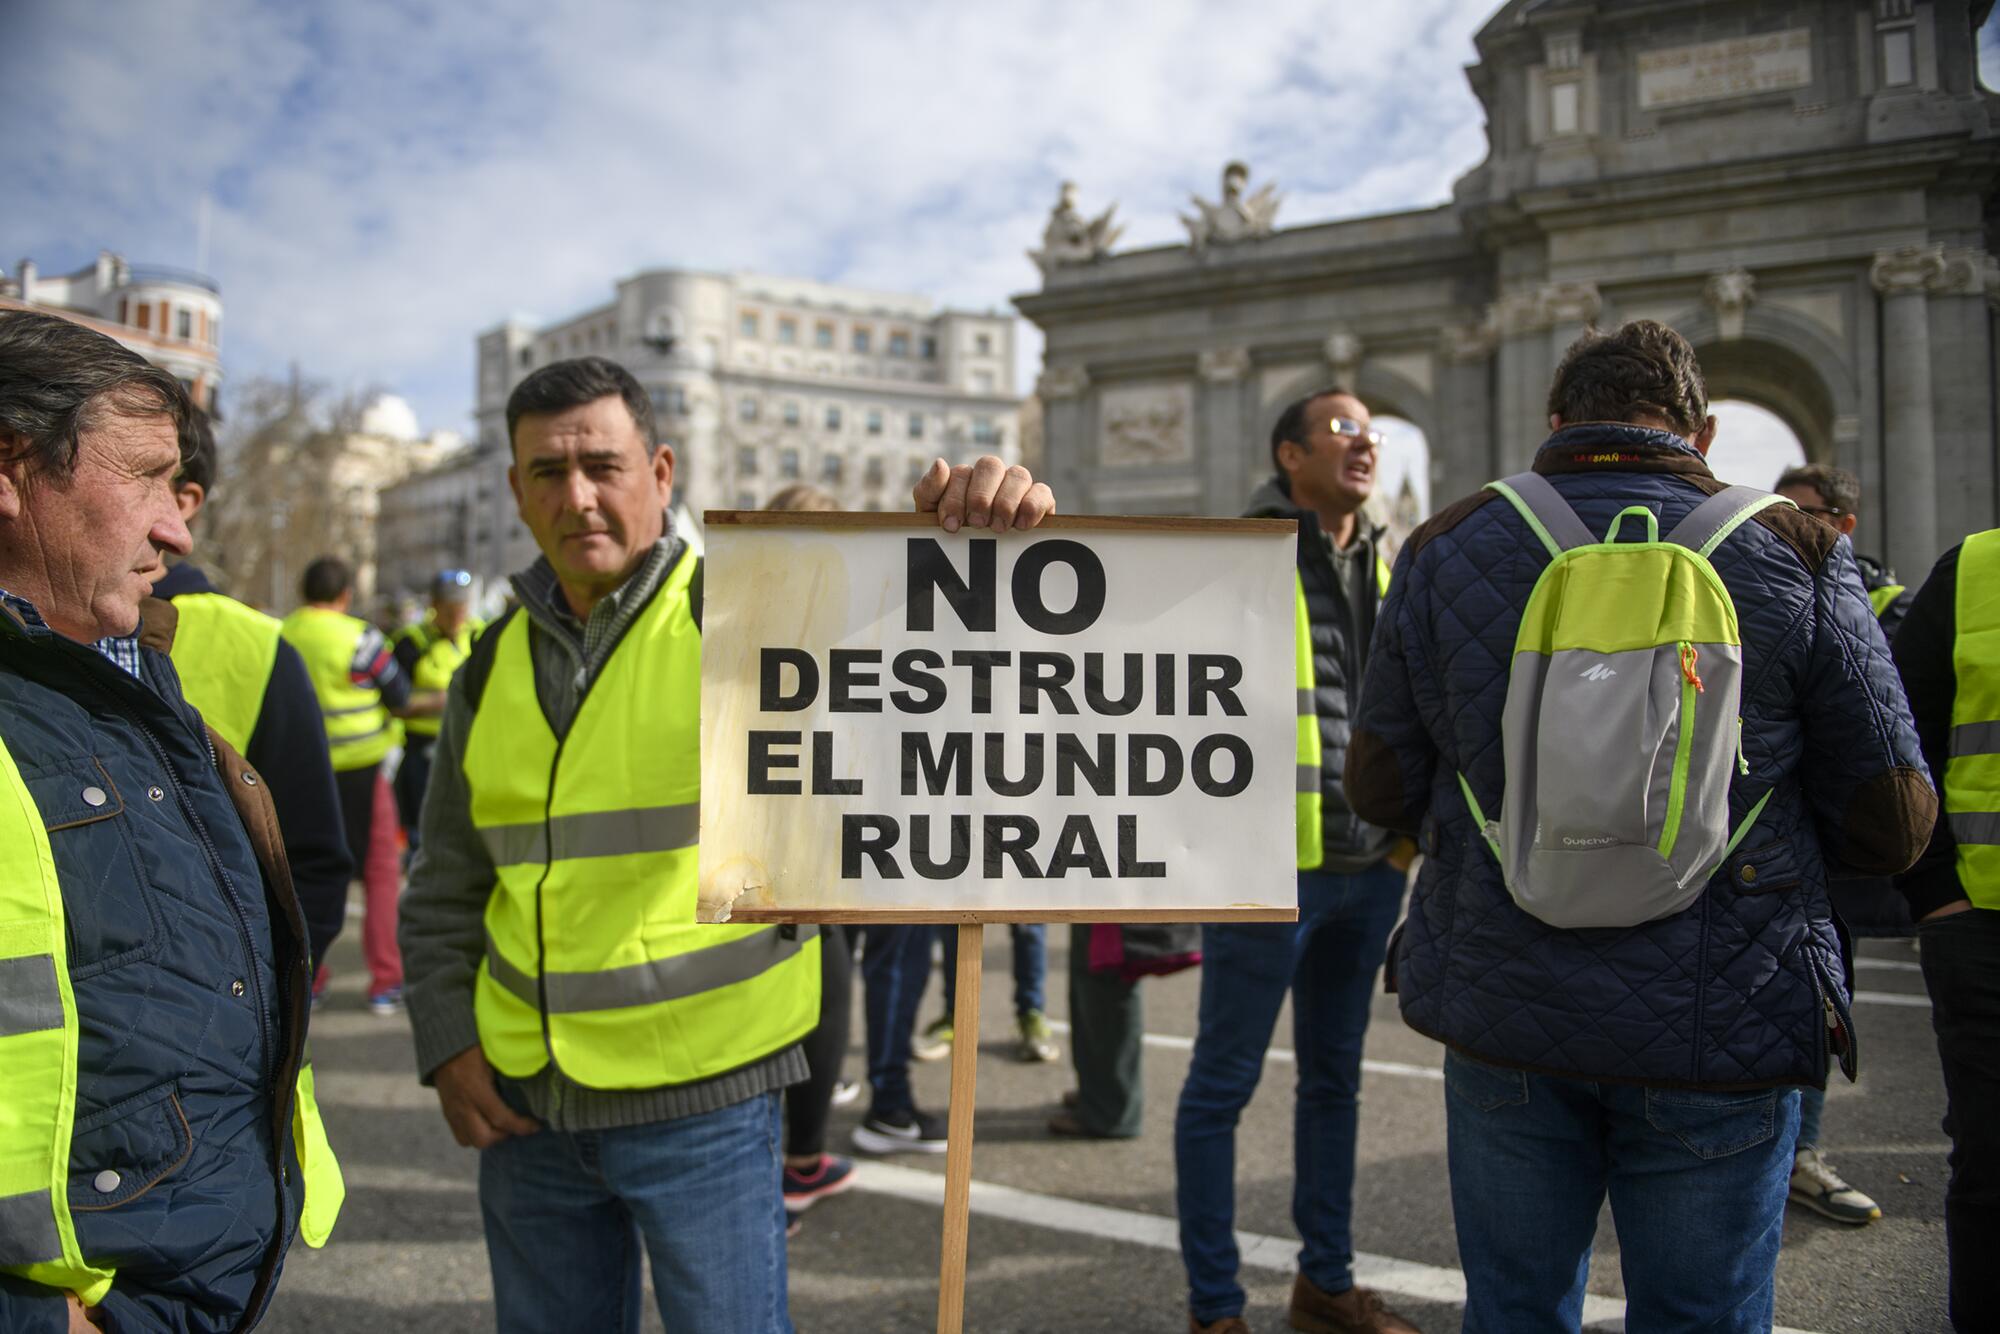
(57, 377)
(1643, 367)
(802, 496)
(1292, 421)
(562, 385)
(326, 579)
(198, 454)
(1838, 487)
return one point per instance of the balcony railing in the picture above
(160, 273)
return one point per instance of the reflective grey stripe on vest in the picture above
(28, 1230)
(1308, 778)
(356, 739)
(30, 998)
(1975, 739)
(346, 713)
(682, 975)
(596, 834)
(1975, 826)
(1308, 706)
(1548, 505)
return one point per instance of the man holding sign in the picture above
(616, 1065)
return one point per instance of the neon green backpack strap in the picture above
(38, 1046)
(325, 1189)
(1308, 813)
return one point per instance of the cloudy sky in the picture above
(389, 177)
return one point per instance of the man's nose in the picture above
(170, 531)
(579, 493)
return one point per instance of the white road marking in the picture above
(1887, 965)
(1893, 998)
(1284, 1055)
(1402, 1278)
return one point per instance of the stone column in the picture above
(1067, 450)
(1465, 456)
(1223, 371)
(1909, 444)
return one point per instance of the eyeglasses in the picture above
(1823, 511)
(1350, 427)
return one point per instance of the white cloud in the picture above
(389, 181)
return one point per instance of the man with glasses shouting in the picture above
(1324, 454)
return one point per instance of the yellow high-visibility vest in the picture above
(593, 957)
(1972, 774)
(38, 1050)
(224, 652)
(438, 659)
(1309, 815)
(1880, 598)
(359, 730)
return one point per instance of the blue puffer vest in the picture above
(190, 983)
(1748, 986)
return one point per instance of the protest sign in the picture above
(1094, 720)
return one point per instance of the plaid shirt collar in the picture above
(122, 650)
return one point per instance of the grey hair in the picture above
(57, 377)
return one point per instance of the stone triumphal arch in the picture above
(1807, 189)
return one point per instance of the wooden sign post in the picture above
(1094, 721)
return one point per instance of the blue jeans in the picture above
(1328, 959)
(1812, 1106)
(566, 1214)
(895, 964)
(1031, 966)
(1697, 1183)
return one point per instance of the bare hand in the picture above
(1957, 906)
(1402, 854)
(982, 494)
(81, 1321)
(479, 1118)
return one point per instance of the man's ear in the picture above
(190, 496)
(1847, 522)
(663, 472)
(1704, 439)
(1290, 455)
(1555, 421)
(14, 467)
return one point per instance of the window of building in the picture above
(677, 400)
(984, 432)
(746, 324)
(788, 463)
(746, 409)
(527, 356)
(916, 426)
(788, 329)
(982, 382)
(659, 401)
(873, 473)
(833, 417)
(1899, 62)
(930, 348)
(124, 310)
(864, 338)
(183, 324)
(822, 335)
(746, 460)
(1563, 108)
(983, 344)
(146, 315)
(791, 412)
(874, 421)
(830, 468)
(915, 469)
(746, 500)
(899, 344)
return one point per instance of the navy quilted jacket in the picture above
(190, 979)
(1748, 986)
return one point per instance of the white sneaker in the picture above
(845, 1092)
(1819, 1188)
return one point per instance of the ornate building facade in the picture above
(1805, 188)
(170, 317)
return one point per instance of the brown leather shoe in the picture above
(1229, 1324)
(1356, 1311)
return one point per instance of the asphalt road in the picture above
(1079, 1236)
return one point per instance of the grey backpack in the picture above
(1622, 727)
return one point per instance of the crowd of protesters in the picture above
(192, 785)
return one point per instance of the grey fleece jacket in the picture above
(443, 911)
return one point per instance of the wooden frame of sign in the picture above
(971, 921)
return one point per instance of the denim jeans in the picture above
(567, 1213)
(1031, 966)
(1961, 958)
(1328, 960)
(895, 964)
(1697, 1181)
(1812, 1107)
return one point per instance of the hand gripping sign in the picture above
(1094, 721)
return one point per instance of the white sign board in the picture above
(1707, 71)
(1096, 719)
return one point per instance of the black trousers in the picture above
(1961, 958)
(1107, 1028)
(809, 1105)
(412, 777)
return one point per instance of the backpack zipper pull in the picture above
(1689, 656)
(1742, 760)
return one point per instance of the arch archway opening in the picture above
(1776, 381)
(1752, 444)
